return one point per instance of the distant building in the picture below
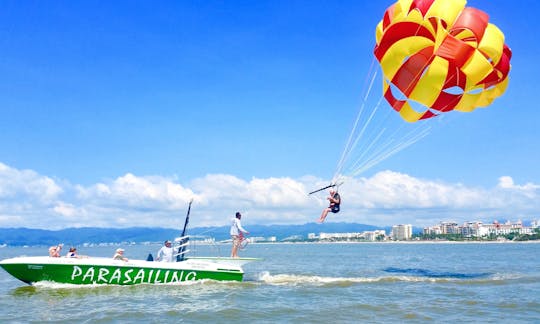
(449, 228)
(402, 232)
(255, 239)
(203, 240)
(293, 238)
(443, 228)
(340, 236)
(432, 230)
(497, 229)
(375, 235)
(478, 229)
(364, 236)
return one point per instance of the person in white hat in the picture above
(165, 254)
(119, 255)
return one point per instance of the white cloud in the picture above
(64, 209)
(130, 191)
(16, 184)
(393, 190)
(32, 200)
(231, 191)
(26, 198)
(507, 182)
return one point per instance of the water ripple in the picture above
(436, 274)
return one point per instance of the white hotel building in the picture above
(401, 232)
(479, 229)
(364, 236)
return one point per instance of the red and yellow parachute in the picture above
(442, 55)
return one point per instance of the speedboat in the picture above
(108, 271)
(98, 270)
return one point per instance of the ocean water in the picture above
(306, 283)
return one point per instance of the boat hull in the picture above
(98, 271)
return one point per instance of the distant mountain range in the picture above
(77, 236)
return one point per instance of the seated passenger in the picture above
(54, 251)
(72, 253)
(119, 255)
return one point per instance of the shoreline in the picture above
(300, 242)
(407, 242)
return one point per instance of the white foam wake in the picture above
(299, 279)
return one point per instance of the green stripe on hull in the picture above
(82, 274)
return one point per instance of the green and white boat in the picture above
(97, 270)
(107, 271)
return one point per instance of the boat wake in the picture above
(294, 279)
(395, 275)
(56, 285)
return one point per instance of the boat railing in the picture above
(180, 246)
(181, 253)
(181, 239)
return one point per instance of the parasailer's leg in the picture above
(324, 214)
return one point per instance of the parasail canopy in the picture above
(442, 55)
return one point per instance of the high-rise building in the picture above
(402, 232)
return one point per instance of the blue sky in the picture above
(117, 113)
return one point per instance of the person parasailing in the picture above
(335, 200)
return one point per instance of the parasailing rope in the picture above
(375, 135)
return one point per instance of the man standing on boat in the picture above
(165, 254)
(236, 230)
